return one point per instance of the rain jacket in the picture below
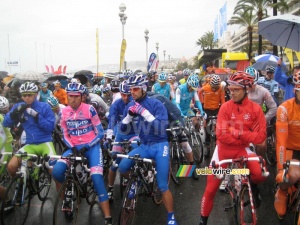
(283, 80)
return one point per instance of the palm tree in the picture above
(260, 7)
(245, 18)
(206, 41)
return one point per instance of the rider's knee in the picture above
(58, 171)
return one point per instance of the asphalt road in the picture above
(186, 204)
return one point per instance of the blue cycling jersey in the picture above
(165, 90)
(270, 85)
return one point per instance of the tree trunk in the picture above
(250, 45)
(275, 49)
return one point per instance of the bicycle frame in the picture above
(238, 187)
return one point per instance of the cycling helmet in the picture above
(4, 104)
(138, 80)
(97, 90)
(270, 69)
(114, 86)
(252, 72)
(124, 88)
(28, 87)
(106, 90)
(52, 101)
(44, 85)
(75, 88)
(241, 78)
(128, 73)
(215, 80)
(186, 72)
(56, 83)
(162, 77)
(193, 81)
(86, 90)
(296, 78)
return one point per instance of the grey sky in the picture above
(69, 27)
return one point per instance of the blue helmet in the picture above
(252, 72)
(138, 80)
(124, 88)
(162, 77)
(102, 81)
(52, 101)
(128, 73)
(75, 88)
(193, 81)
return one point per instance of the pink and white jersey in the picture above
(79, 126)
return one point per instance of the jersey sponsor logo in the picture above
(247, 116)
(166, 151)
(77, 123)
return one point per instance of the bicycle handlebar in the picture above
(135, 158)
(264, 171)
(125, 142)
(286, 167)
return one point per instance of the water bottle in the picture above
(131, 193)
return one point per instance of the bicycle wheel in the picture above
(212, 143)
(66, 207)
(44, 183)
(246, 213)
(123, 185)
(129, 203)
(14, 210)
(270, 153)
(90, 192)
(156, 195)
(197, 147)
(175, 163)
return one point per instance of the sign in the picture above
(12, 63)
(122, 55)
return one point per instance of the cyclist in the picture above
(115, 117)
(151, 80)
(81, 128)
(162, 87)
(286, 81)
(60, 93)
(212, 96)
(175, 120)
(287, 144)
(44, 93)
(269, 83)
(184, 95)
(240, 122)
(186, 72)
(37, 119)
(114, 87)
(5, 138)
(56, 108)
(152, 115)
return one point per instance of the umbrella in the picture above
(57, 77)
(283, 30)
(30, 76)
(83, 79)
(264, 60)
(3, 74)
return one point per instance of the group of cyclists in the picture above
(141, 107)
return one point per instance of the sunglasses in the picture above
(27, 95)
(233, 90)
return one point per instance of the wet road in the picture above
(186, 204)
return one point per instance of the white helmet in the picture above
(4, 104)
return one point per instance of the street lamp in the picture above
(157, 47)
(146, 38)
(123, 18)
(164, 51)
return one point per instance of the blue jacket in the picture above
(165, 90)
(150, 132)
(115, 116)
(38, 130)
(284, 81)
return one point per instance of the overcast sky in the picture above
(62, 32)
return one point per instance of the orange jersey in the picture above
(287, 130)
(61, 95)
(211, 99)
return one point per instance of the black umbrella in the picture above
(57, 77)
(3, 74)
(83, 79)
(83, 72)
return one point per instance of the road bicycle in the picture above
(32, 178)
(294, 192)
(194, 137)
(238, 186)
(270, 153)
(177, 155)
(211, 126)
(58, 142)
(4, 175)
(142, 183)
(126, 144)
(78, 184)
